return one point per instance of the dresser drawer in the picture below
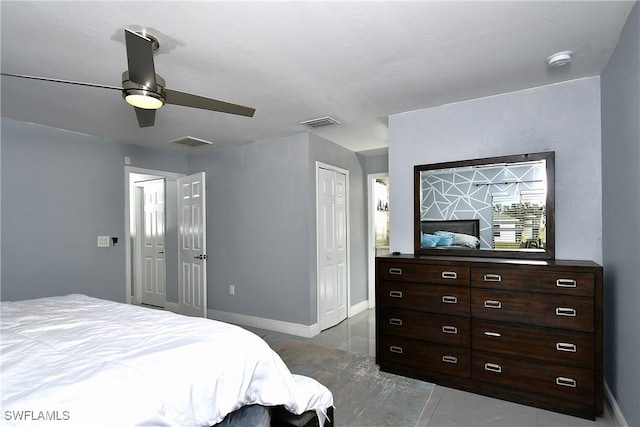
(565, 382)
(565, 283)
(452, 300)
(557, 311)
(425, 356)
(550, 345)
(412, 272)
(444, 329)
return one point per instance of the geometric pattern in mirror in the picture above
(510, 198)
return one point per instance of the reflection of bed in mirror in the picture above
(448, 234)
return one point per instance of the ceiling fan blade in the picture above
(145, 117)
(72, 82)
(188, 100)
(140, 59)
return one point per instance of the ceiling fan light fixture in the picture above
(148, 97)
(143, 99)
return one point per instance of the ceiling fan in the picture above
(145, 90)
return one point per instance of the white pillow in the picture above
(460, 239)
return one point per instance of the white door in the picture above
(332, 247)
(153, 244)
(192, 259)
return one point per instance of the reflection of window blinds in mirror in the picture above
(518, 219)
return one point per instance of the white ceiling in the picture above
(358, 62)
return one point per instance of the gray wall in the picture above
(257, 229)
(621, 218)
(377, 164)
(564, 118)
(261, 226)
(60, 190)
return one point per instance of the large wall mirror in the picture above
(492, 207)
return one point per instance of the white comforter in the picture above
(93, 362)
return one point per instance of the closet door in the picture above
(332, 247)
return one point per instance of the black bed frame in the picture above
(280, 417)
(273, 416)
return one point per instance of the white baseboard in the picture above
(358, 308)
(618, 417)
(306, 331)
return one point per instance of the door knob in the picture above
(200, 257)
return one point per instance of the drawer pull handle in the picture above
(566, 311)
(396, 322)
(395, 294)
(492, 367)
(492, 278)
(449, 275)
(492, 334)
(492, 304)
(395, 349)
(566, 382)
(396, 271)
(448, 299)
(449, 359)
(566, 346)
(447, 329)
(566, 283)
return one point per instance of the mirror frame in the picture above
(549, 251)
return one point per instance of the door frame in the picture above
(128, 170)
(371, 235)
(345, 172)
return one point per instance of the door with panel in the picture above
(332, 247)
(192, 256)
(153, 244)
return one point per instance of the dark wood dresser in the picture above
(525, 331)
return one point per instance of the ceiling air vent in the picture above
(190, 141)
(320, 122)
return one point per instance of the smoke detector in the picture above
(559, 59)
(320, 122)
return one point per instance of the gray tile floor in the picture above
(447, 407)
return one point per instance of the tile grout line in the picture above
(425, 407)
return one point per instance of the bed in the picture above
(87, 361)
(453, 233)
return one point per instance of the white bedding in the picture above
(95, 362)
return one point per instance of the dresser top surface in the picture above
(480, 261)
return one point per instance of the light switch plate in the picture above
(103, 241)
